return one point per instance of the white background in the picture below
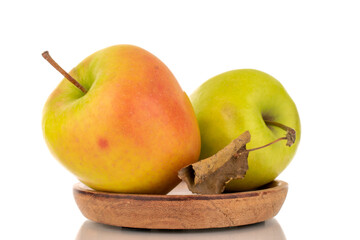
(311, 47)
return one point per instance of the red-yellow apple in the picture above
(131, 131)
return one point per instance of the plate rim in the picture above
(80, 188)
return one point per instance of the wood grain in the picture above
(181, 211)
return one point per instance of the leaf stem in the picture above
(47, 56)
(275, 141)
(290, 135)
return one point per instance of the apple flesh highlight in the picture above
(133, 129)
(233, 102)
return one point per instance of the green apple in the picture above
(233, 102)
(127, 126)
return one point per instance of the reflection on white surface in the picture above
(270, 229)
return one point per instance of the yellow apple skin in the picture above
(131, 132)
(240, 100)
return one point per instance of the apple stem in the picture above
(47, 56)
(282, 126)
(290, 136)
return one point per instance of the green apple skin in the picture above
(131, 132)
(239, 100)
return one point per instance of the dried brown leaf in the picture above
(210, 175)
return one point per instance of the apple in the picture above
(124, 125)
(246, 99)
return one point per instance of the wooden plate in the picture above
(178, 211)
